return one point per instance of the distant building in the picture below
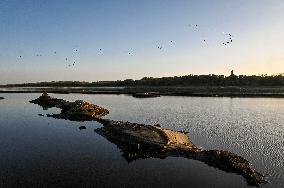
(233, 78)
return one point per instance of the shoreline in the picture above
(242, 92)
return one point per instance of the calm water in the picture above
(44, 152)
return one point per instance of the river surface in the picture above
(38, 151)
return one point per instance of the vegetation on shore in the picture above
(188, 80)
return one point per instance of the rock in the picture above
(77, 111)
(82, 108)
(231, 162)
(1, 98)
(138, 141)
(157, 125)
(184, 132)
(40, 114)
(48, 102)
(44, 94)
(82, 127)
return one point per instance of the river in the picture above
(38, 151)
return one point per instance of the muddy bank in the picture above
(139, 141)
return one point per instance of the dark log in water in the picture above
(139, 141)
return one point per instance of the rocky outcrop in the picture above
(139, 141)
(46, 101)
(78, 110)
(82, 108)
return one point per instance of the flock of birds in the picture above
(229, 36)
(228, 40)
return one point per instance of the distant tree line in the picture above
(188, 80)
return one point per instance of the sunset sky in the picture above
(37, 36)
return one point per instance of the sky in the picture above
(36, 37)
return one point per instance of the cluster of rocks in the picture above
(46, 101)
(80, 107)
(78, 110)
(139, 141)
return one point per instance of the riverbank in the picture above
(274, 92)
